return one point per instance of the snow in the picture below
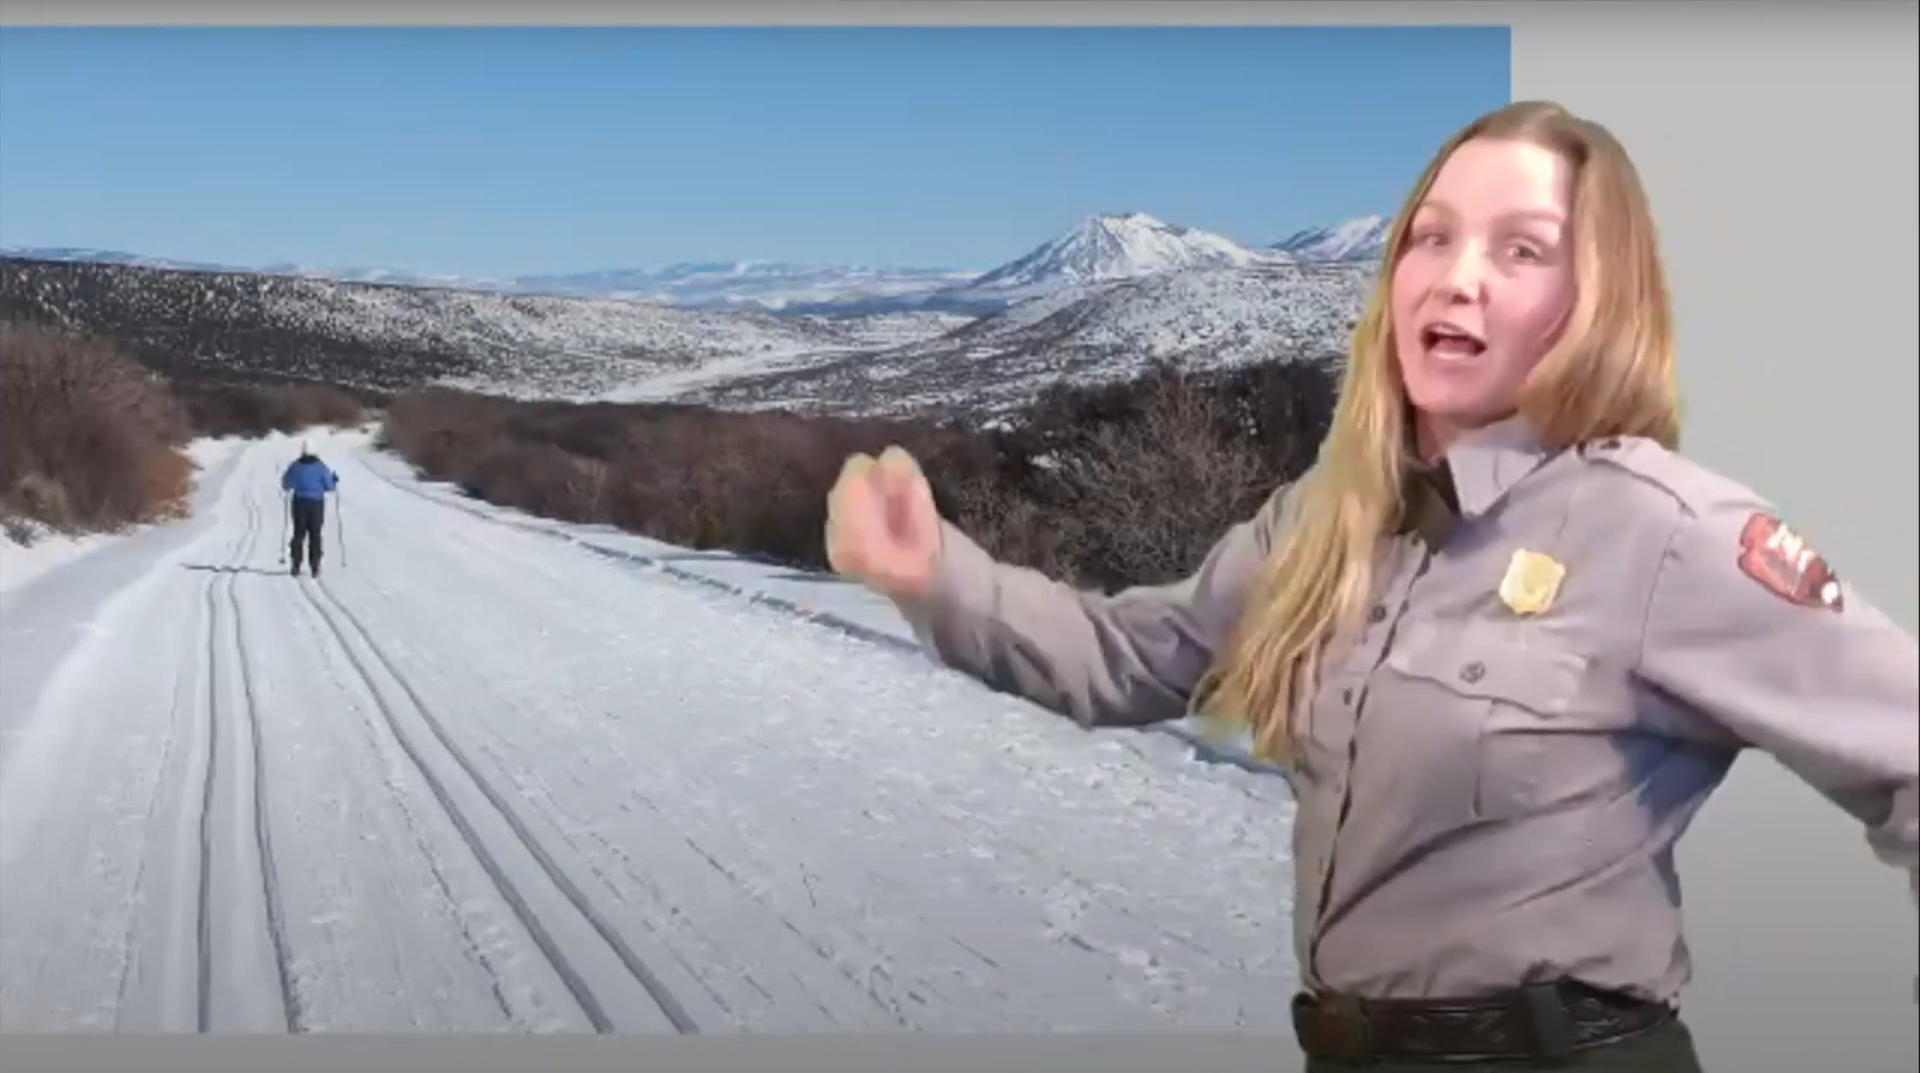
(89, 254)
(768, 285)
(47, 549)
(492, 773)
(1205, 317)
(1114, 246)
(754, 285)
(578, 336)
(1359, 239)
(43, 550)
(1101, 246)
(1092, 304)
(577, 349)
(1105, 329)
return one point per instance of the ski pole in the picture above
(286, 512)
(340, 527)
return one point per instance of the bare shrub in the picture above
(1152, 491)
(1103, 487)
(89, 440)
(255, 410)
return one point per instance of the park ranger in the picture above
(1503, 639)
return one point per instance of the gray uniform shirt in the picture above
(1485, 797)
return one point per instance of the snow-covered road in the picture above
(478, 778)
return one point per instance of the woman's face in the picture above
(1483, 283)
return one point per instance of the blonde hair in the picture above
(1610, 373)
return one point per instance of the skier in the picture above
(309, 480)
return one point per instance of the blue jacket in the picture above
(309, 478)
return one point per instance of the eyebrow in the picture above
(1549, 216)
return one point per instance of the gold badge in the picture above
(1532, 581)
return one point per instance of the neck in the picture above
(1434, 436)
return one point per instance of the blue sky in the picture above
(513, 151)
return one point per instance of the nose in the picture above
(1463, 275)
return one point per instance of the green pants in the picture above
(1667, 1049)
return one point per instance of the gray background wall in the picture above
(1779, 143)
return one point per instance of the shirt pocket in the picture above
(1516, 711)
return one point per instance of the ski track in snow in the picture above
(477, 779)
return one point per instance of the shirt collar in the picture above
(1478, 469)
(1487, 462)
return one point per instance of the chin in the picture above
(1460, 412)
(1453, 407)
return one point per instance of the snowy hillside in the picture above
(752, 284)
(394, 276)
(395, 337)
(604, 349)
(1361, 239)
(1096, 302)
(749, 285)
(88, 255)
(1100, 247)
(1111, 247)
(1091, 333)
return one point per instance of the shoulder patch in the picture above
(1780, 560)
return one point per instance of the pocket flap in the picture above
(1520, 666)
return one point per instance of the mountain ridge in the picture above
(1098, 247)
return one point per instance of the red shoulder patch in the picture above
(1780, 560)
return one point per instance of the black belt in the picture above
(1544, 1023)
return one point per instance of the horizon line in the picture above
(285, 265)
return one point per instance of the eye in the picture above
(1525, 252)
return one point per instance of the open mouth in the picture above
(1450, 341)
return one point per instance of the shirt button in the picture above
(1377, 614)
(1346, 696)
(1473, 672)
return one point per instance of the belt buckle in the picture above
(1550, 1023)
(1337, 1029)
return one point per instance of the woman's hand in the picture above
(882, 528)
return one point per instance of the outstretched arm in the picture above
(1751, 628)
(1127, 659)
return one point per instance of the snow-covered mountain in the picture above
(772, 285)
(394, 277)
(1112, 246)
(1101, 247)
(1207, 317)
(90, 255)
(1097, 302)
(1361, 239)
(390, 277)
(583, 349)
(390, 337)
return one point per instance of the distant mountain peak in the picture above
(1115, 245)
(1128, 222)
(1359, 239)
(1127, 243)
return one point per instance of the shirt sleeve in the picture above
(1130, 658)
(1751, 628)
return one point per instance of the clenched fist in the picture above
(882, 528)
